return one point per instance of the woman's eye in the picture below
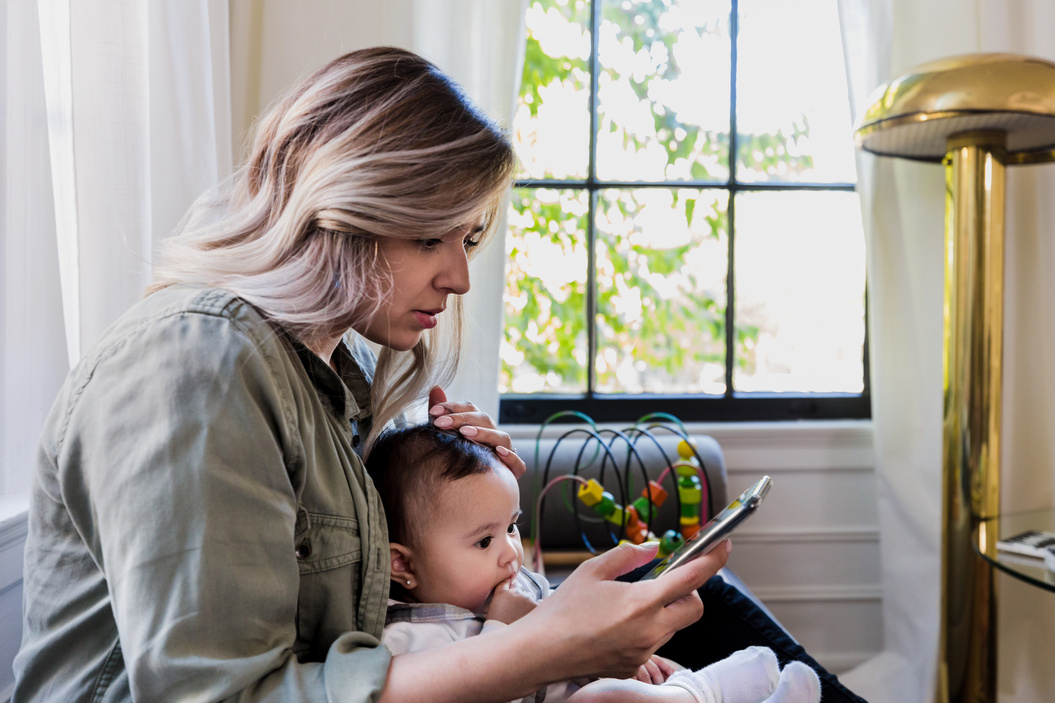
(470, 244)
(484, 543)
(430, 243)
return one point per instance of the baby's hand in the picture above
(507, 605)
(657, 670)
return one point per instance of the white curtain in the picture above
(115, 118)
(33, 357)
(903, 211)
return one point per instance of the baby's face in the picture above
(472, 543)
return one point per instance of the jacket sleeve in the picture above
(175, 463)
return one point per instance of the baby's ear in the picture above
(402, 565)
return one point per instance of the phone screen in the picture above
(717, 529)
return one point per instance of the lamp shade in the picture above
(913, 116)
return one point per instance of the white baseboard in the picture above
(839, 663)
(818, 594)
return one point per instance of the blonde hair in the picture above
(377, 143)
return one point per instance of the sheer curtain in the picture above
(115, 119)
(903, 207)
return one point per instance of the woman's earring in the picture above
(408, 582)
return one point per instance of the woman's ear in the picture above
(402, 565)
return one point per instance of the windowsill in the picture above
(14, 526)
(13, 507)
(795, 430)
(13, 512)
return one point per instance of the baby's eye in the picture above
(484, 543)
(512, 528)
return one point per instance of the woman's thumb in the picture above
(625, 558)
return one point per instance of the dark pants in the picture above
(731, 621)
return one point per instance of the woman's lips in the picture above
(426, 319)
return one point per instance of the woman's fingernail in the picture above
(444, 421)
(728, 546)
(437, 410)
(502, 450)
(468, 430)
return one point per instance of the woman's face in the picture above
(424, 273)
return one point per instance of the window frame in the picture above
(732, 406)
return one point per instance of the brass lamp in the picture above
(976, 114)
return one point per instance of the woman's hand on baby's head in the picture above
(508, 605)
(473, 424)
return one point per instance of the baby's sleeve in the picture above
(406, 637)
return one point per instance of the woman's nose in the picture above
(455, 275)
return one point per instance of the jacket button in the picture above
(303, 551)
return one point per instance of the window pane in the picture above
(799, 292)
(545, 344)
(551, 128)
(663, 90)
(792, 112)
(661, 271)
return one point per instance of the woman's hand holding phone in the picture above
(611, 628)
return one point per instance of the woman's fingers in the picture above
(686, 578)
(437, 396)
(467, 419)
(451, 415)
(619, 560)
(512, 460)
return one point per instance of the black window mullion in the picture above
(591, 215)
(730, 215)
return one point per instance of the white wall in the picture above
(811, 554)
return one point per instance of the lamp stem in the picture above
(973, 343)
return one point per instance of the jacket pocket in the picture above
(329, 556)
(324, 542)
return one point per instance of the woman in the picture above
(201, 526)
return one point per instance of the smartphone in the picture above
(716, 530)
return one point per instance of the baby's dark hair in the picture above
(409, 464)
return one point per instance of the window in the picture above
(684, 234)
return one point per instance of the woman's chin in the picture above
(400, 343)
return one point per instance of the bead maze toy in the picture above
(607, 465)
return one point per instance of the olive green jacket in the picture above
(200, 526)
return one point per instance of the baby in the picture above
(457, 571)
